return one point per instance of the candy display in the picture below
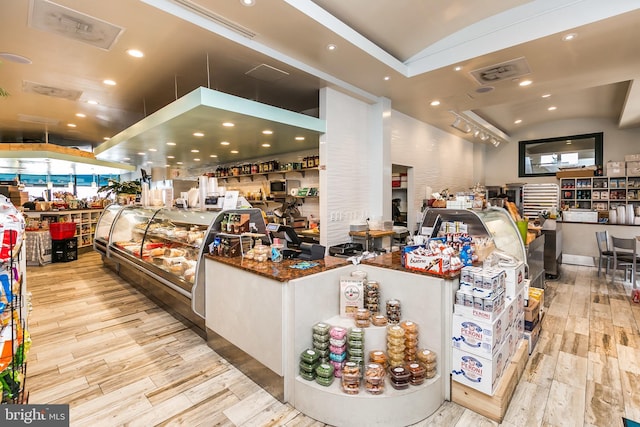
(395, 345)
(417, 373)
(400, 377)
(379, 320)
(324, 374)
(309, 361)
(379, 357)
(355, 346)
(374, 378)
(337, 348)
(410, 340)
(394, 311)
(372, 297)
(351, 378)
(363, 318)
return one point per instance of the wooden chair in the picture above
(625, 256)
(602, 238)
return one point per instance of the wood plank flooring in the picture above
(119, 360)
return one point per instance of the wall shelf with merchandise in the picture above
(600, 193)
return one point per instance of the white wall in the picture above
(501, 163)
(345, 183)
(439, 159)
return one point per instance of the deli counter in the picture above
(159, 251)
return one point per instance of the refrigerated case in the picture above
(164, 247)
(103, 228)
(492, 222)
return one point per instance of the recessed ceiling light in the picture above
(195, 151)
(299, 138)
(568, 37)
(196, 160)
(234, 151)
(171, 143)
(178, 163)
(198, 134)
(71, 125)
(435, 103)
(109, 82)
(386, 78)
(92, 102)
(224, 143)
(248, 3)
(135, 53)
(266, 145)
(525, 83)
(106, 138)
(12, 57)
(152, 149)
(331, 46)
(267, 132)
(228, 124)
(458, 68)
(518, 121)
(553, 107)
(213, 155)
(171, 157)
(167, 166)
(141, 154)
(81, 115)
(546, 95)
(149, 162)
(126, 158)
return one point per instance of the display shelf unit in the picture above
(599, 193)
(14, 309)
(282, 173)
(85, 220)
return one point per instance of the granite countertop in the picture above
(283, 272)
(392, 261)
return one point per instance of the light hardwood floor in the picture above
(117, 359)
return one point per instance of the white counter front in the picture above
(271, 320)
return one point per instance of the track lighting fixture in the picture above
(468, 122)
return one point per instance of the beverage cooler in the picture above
(159, 251)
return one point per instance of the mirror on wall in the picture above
(545, 157)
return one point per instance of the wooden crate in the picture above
(494, 407)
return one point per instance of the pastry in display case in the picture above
(166, 242)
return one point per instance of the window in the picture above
(545, 157)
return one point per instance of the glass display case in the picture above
(165, 244)
(492, 222)
(103, 228)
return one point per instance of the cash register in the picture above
(294, 246)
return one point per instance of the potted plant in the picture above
(124, 192)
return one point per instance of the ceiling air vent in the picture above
(38, 119)
(267, 73)
(53, 18)
(46, 90)
(505, 70)
(214, 17)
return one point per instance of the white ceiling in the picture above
(414, 42)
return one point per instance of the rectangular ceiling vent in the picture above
(46, 90)
(266, 73)
(53, 18)
(38, 119)
(214, 17)
(505, 70)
